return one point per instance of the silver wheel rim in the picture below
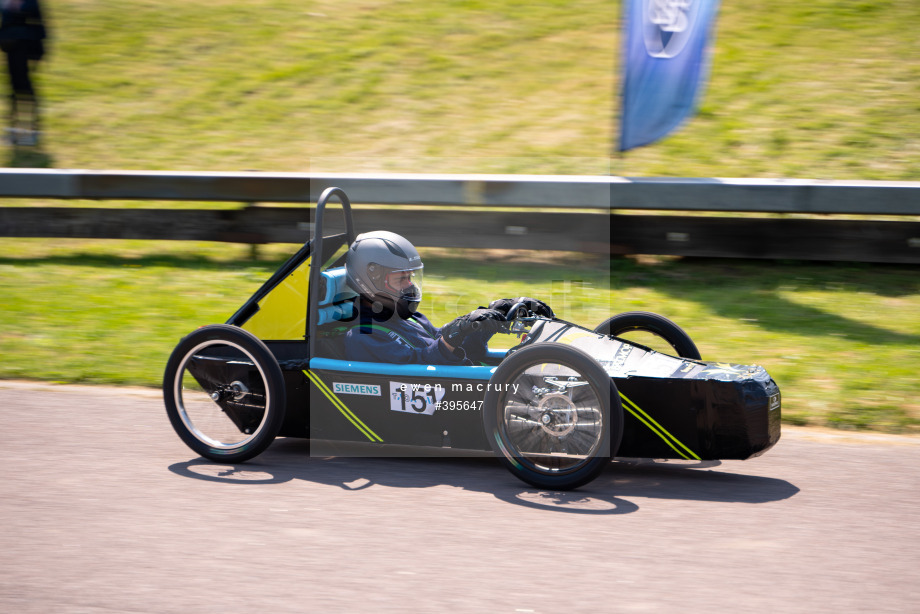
(202, 410)
(553, 418)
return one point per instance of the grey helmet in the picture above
(385, 268)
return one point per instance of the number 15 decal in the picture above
(415, 398)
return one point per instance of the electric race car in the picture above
(555, 408)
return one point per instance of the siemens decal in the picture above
(362, 389)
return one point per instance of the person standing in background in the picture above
(22, 39)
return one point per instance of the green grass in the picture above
(827, 89)
(843, 341)
(824, 89)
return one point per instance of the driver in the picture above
(386, 271)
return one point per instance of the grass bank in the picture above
(841, 340)
(824, 89)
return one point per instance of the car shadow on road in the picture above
(614, 492)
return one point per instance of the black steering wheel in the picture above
(518, 311)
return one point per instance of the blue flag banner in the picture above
(665, 66)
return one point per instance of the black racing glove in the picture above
(488, 320)
(538, 307)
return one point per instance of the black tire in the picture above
(643, 321)
(553, 416)
(224, 393)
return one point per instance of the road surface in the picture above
(105, 510)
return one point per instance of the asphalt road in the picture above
(103, 509)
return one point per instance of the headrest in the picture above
(333, 294)
(332, 287)
(333, 313)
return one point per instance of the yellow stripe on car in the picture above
(365, 430)
(659, 430)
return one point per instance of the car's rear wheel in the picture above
(224, 393)
(553, 416)
(650, 330)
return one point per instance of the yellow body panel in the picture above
(282, 314)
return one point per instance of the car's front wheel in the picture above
(650, 329)
(553, 416)
(224, 393)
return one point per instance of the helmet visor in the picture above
(405, 284)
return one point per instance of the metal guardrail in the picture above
(535, 191)
(568, 213)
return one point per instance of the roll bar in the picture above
(316, 261)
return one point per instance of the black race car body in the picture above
(554, 408)
(674, 408)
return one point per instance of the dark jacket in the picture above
(23, 30)
(388, 338)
